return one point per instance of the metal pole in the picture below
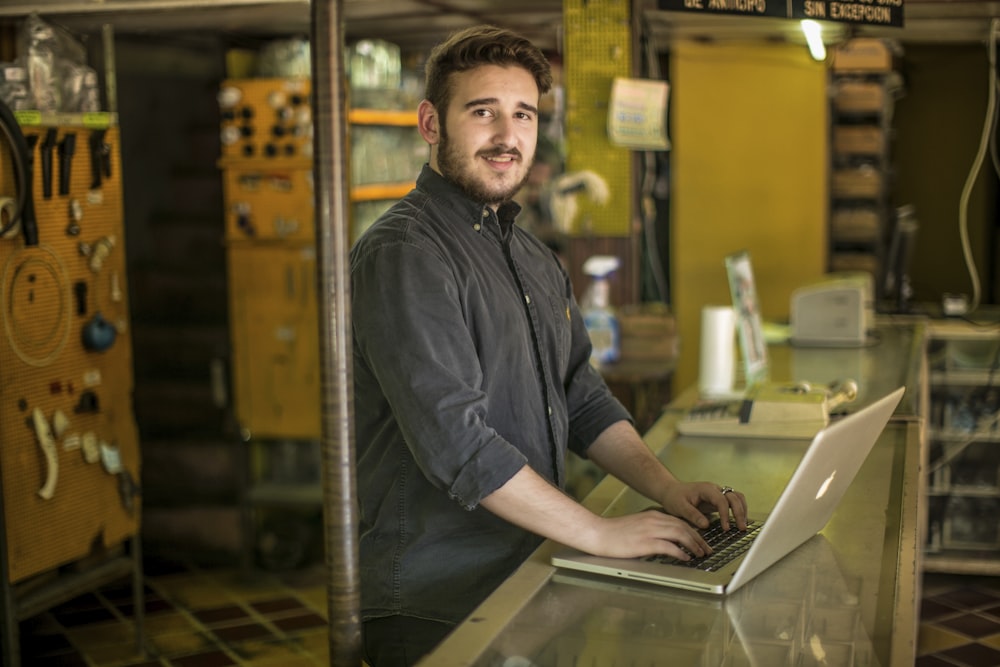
(10, 626)
(331, 202)
(110, 67)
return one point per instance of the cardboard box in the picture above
(855, 225)
(648, 333)
(857, 182)
(860, 97)
(854, 262)
(858, 140)
(864, 54)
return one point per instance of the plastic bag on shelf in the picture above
(58, 77)
(14, 86)
(80, 92)
(286, 58)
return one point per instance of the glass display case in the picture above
(963, 475)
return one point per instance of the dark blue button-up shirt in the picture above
(470, 361)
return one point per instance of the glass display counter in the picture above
(846, 597)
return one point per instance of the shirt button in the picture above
(527, 298)
(486, 213)
(477, 226)
(550, 411)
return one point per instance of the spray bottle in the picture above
(598, 315)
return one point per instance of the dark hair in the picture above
(476, 46)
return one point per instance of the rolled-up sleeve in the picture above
(591, 407)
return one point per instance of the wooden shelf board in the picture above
(97, 120)
(382, 117)
(377, 191)
(961, 564)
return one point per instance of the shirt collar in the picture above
(447, 192)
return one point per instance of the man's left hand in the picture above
(694, 501)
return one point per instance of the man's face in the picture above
(485, 141)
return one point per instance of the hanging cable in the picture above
(989, 125)
(647, 211)
(994, 156)
(648, 216)
(19, 157)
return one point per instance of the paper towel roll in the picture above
(718, 354)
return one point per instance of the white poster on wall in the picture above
(637, 114)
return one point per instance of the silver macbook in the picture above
(821, 479)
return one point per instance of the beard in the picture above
(457, 169)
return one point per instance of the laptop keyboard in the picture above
(726, 545)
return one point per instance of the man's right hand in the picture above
(647, 533)
(531, 502)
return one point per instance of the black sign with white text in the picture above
(866, 12)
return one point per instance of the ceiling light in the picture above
(814, 38)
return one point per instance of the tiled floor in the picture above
(959, 622)
(198, 617)
(195, 617)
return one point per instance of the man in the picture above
(472, 374)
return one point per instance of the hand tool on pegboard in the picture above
(100, 158)
(67, 148)
(48, 146)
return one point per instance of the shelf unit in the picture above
(386, 155)
(267, 172)
(863, 84)
(963, 482)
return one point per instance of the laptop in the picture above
(807, 502)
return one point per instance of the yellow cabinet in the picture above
(267, 174)
(266, 164)
(275, 336)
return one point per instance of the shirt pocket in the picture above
(560, 329)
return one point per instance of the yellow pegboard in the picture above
(266, 120)
(598, 48)
(269, 203)
(50, 293)
(267, 174)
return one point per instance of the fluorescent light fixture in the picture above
(814, 38)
